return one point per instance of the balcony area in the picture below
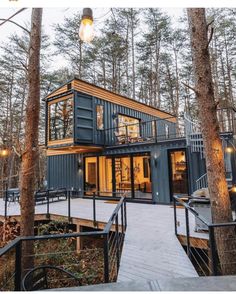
(142, 132)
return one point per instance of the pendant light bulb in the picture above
(86, 31)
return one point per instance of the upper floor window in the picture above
(167, 131)
(128, 124)
(100, 111)
(154, 128)
(61, 119)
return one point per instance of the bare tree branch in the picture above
(191, 88)
(210, 38)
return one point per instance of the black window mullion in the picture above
(132, 176)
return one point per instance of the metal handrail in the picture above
(142, 122)
(191, 209)
(214, 269)
(16, 244)
(114, 214)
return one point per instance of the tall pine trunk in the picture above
(30, 152)
(219, 196)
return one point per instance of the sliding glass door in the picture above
(111, 176)
(142, 177)
(91, 179)
(178, 173)
(105, 176)
(123, 174)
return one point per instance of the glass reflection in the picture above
(61, 120)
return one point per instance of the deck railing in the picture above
(92, 264)
(143, 132)
(202, 249)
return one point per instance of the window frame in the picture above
(124, 126)
(102, 107)
(65, 140)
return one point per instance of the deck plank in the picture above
(151, 249)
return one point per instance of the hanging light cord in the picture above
(109, 11)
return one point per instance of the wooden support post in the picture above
(79, 240)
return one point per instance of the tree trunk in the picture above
(219, 196)
(30, 152)
(133, 52)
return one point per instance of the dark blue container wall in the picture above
(63, 171)
(160, 170)
(197, 168)
(85, 120)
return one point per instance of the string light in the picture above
(86, 31)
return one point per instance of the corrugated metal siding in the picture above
(85, 120)
(160, 172)
(197, 168)
(63, 172)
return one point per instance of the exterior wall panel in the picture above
(63, 171)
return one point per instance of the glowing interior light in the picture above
(229, 149)
(233, 189)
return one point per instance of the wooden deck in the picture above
(151, 249)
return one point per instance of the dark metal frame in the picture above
(113, 192)
(29, 279)
(169, 151)
(154, 139)
(120, 208)
(214, 270)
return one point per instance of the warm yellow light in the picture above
(4, 152)
(86, 31)
(229, 149)
(233, 189)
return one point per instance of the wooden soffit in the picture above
(72, 150)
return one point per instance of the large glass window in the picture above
(179, 177)
(132, 176)
(123, 175)
(154, 129)
(105, 176)
(142, 177)
(99, 110)
(167, 131)
(61, 120)
(91, 183)
(129, 123)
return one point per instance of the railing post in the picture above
(69, 206)
(122, 218)
(6, 196)
(117, 244)
(47, 203)
(187, 231)
(106, 258)
(213, 263)
(175, 216)
(126, 134)
(17, 280)
(155, 126)
(125, 212)
(94, 210)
